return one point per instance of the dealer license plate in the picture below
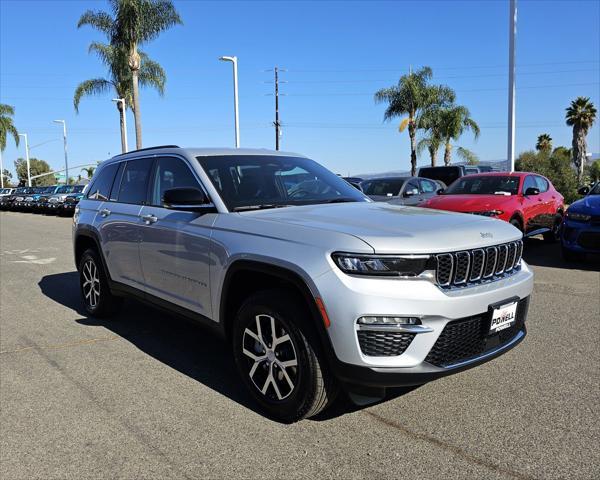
(503, 317)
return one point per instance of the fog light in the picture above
(373, 320)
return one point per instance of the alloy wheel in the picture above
(272, 361)
(91, 283)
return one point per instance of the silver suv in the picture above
(316, 288)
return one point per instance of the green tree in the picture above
(555, 165)
(544, 143)
(6, 178)
(130, 24)
(6, 128)
(456, 120)
(413, 96)
(580, 115)
(89, 171)
(37, 167)
(592, 171)
(119, 80)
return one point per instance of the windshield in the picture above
(482, 185)
(445, 174)
(246, 182)
(78, 188)
(48, 189)
(383, 186)
(65, 189)
(4, 190)
(595, 190)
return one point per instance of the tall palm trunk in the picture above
(433, 155)
(122, 121)
(134, 65)
(1, 171)
(447, 153)
(412, 133)
(579, 150)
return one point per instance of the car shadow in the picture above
(177, 342)
(543, 254)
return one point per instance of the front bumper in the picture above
(347, 298)
(581, 237)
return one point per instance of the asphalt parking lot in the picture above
(146, 395)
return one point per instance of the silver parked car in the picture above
(316, 287)
(400, 190)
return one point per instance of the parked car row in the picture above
(526, 200)
(60, 200)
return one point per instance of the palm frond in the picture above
(152, 74)
(97, 19)
(467, 155)
(94, 86)
(403, 124)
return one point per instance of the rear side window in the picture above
(529, 183)
(134, 183)
(428, 186)
(100, 188)
(542, 184)
(171, 172)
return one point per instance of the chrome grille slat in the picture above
(468, 267)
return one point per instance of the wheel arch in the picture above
(84, 239)
(245, 277)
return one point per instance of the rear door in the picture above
(175, 244)
(429, 188)
(548, 211)
(119, 221)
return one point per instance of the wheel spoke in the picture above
(86, 283)
(254, 357)
(87, 295)
(269, 379)
(287, 377)
(289, 363)
(259, 330)
(254, 336)
(276, 388)
(280, 340)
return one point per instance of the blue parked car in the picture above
(581, 226)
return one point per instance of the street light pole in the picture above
(123, 124)
(512, 35)
(235, 97)
(64, 124)
(24, 135)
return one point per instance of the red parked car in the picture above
(527, 200)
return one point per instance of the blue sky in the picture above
(337, 54)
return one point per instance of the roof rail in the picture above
(146, 149)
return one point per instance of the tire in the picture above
(290, 381)
(97, 297)
(553, 235)
(516, 223)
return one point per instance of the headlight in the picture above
(489, 213)
(578, 217)
(392, 266)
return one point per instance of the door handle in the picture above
(105, 212)
(149, 219)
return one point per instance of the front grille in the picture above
(468, 337)
(475, 266)
(383, 344)
(590, 240)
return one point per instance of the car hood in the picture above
(467, 203)
(394, 228)
(589, 204)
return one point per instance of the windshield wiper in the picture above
(262, 206)
(340, 200)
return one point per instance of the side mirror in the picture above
(411, 192)
(185, 198)
(532, 191)
(583, 190)
(439, 191)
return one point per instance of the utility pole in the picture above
(64, 124)
(234, 61)
(276, 122)
(512, 36)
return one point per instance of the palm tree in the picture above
(119, 79)
(89, 171)
(6, 128)
(467, 155)
(130, 24)
(544, 143)
(412, 96)
(455, 121)
(581, 115)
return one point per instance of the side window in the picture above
(427, 186)
(412, 186)
(114, 191)
(529, 182)
(171, 172)
(134, 183)
(100, 189)
(542, 184)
